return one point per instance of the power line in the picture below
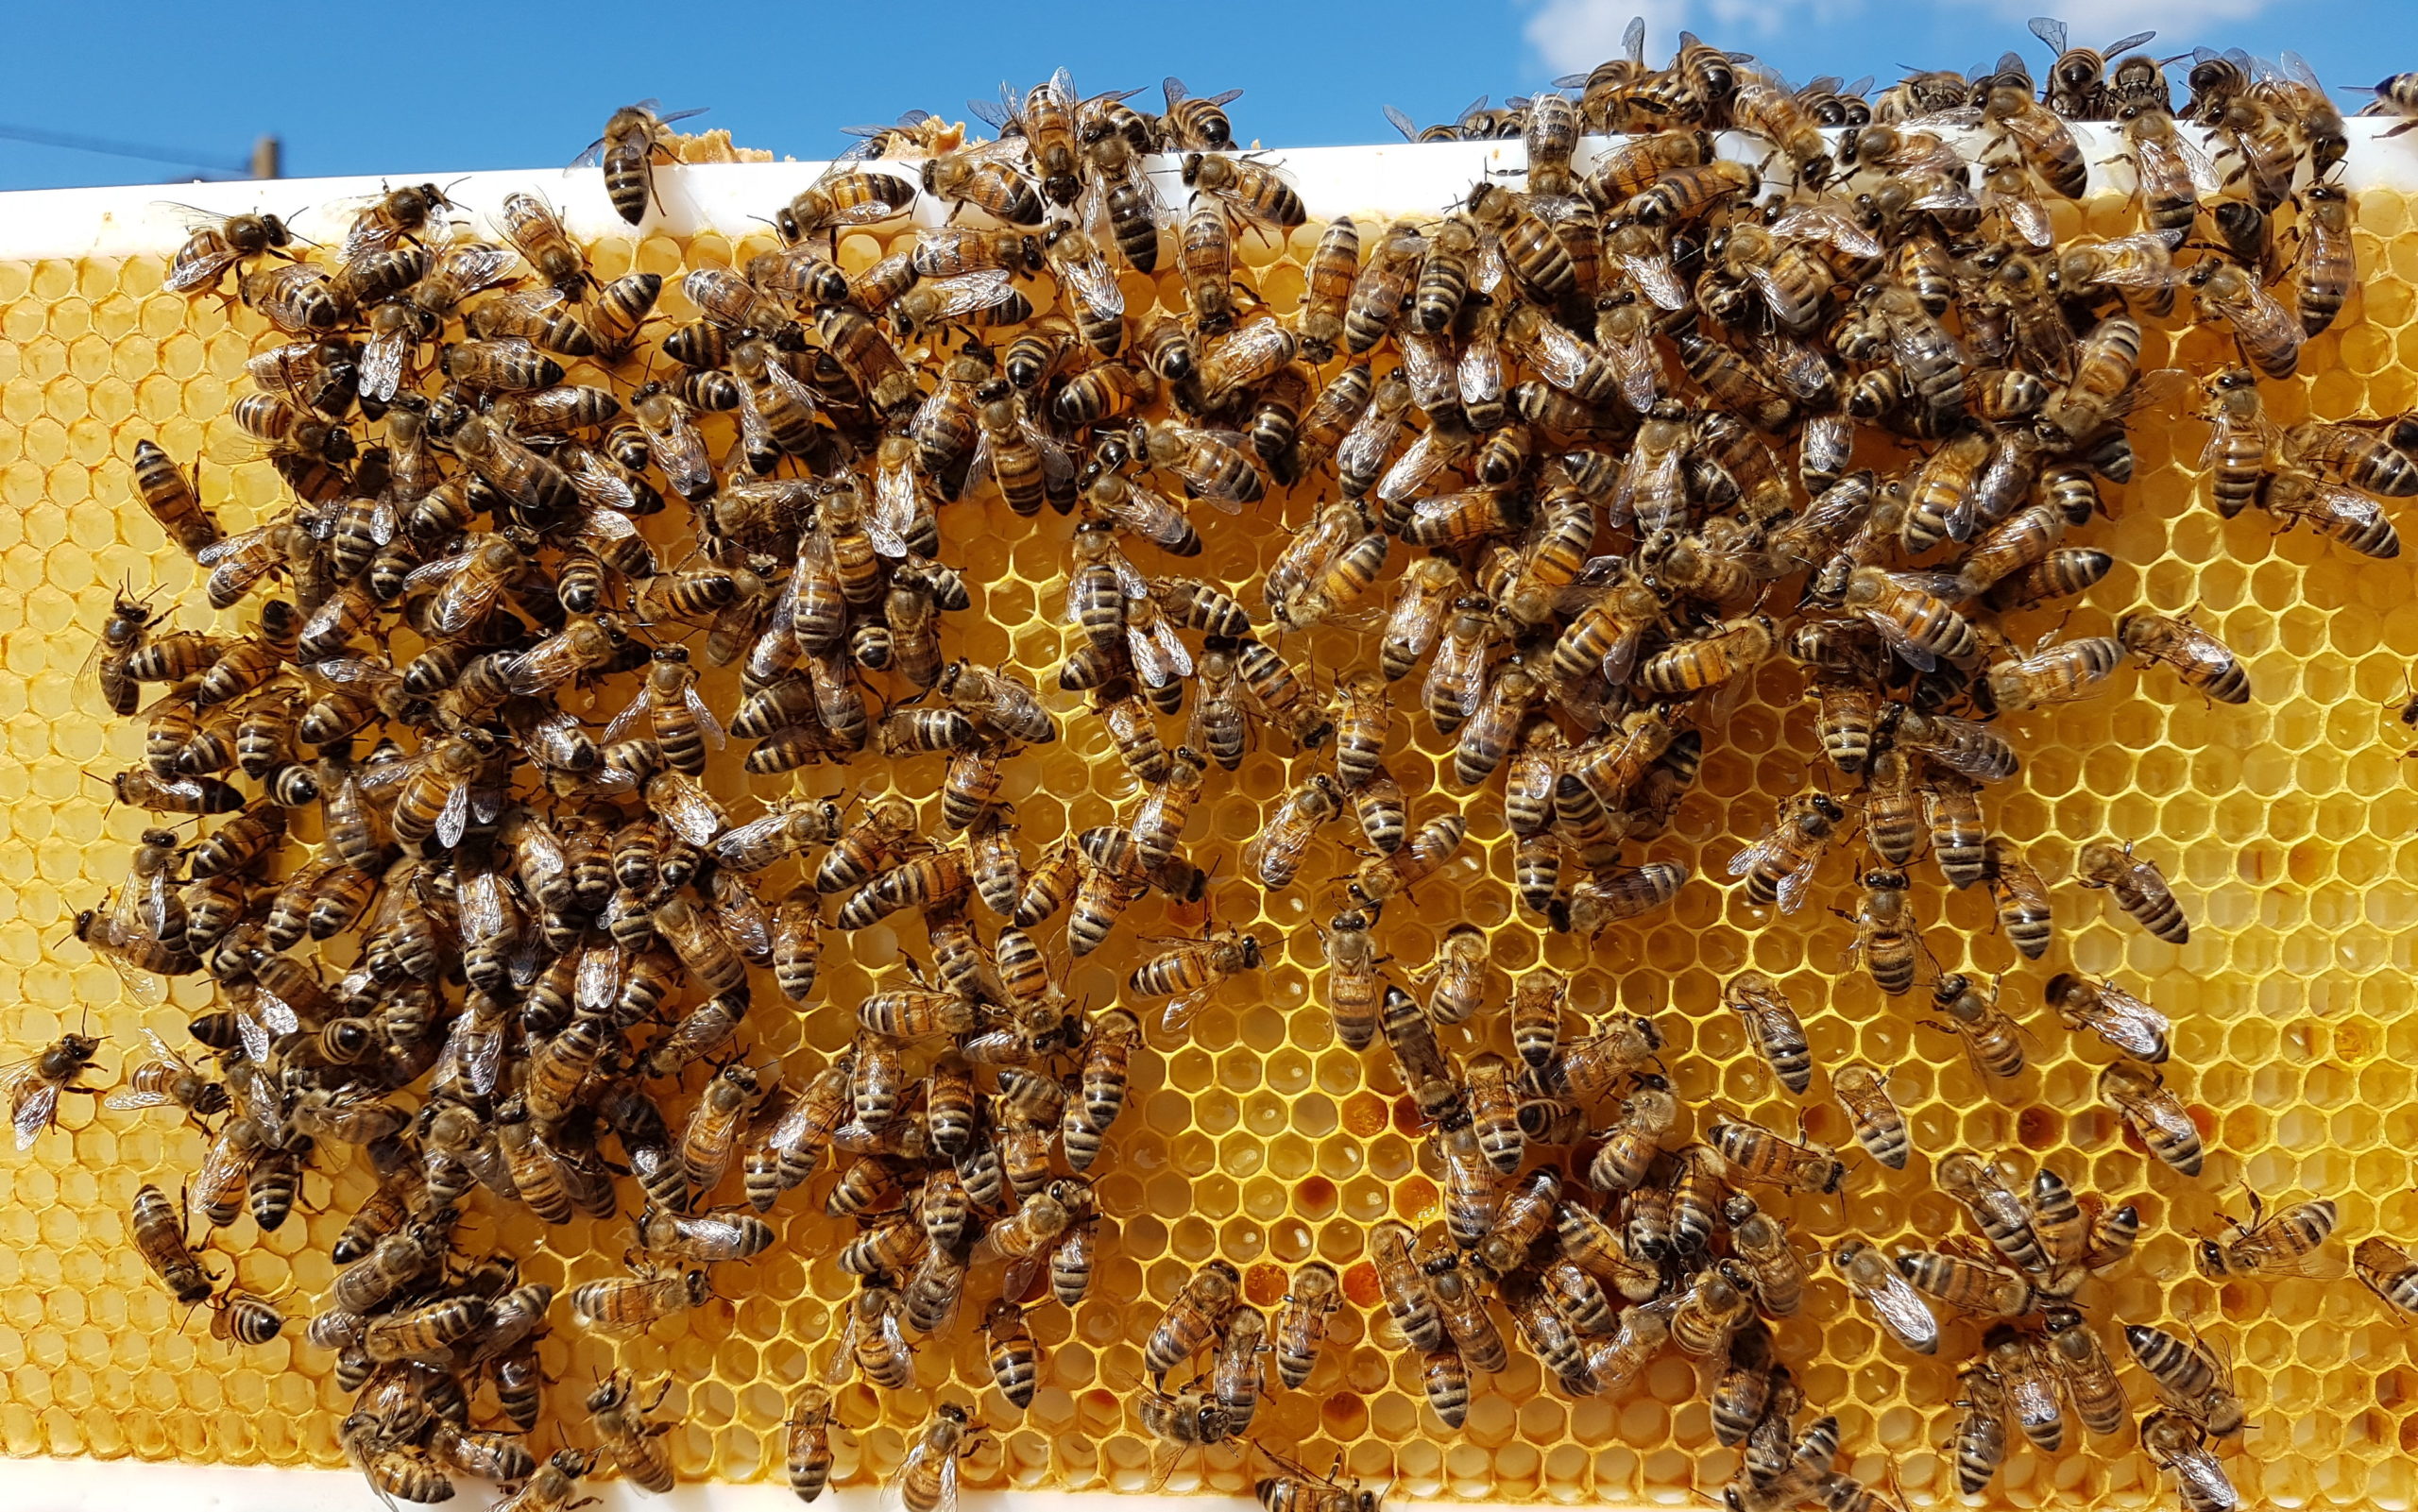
(123, 149)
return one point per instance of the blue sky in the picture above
(434, 86)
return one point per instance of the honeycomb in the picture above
(2281, 825)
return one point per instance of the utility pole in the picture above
(268, 157)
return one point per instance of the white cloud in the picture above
(1573, 36)
(1570, 36)
(2111, 19)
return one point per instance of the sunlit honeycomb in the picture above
(2283, 825)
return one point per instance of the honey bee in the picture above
(1296, 1489)
(1781, 864)
(1976, 1286)
(1647, 1114)
(1896, 1306)
(1717, 1304)
(1194, 1317)
(1992, 1040)
(1301, 1327)
(2324, 269)
(2194, 1381)
(1195, 124)
(635, 1302)
(807, 1452)
(2131, 1027)
(633, 140)
(1880, 1126)
(1771, 1260)
(388, 1460)
(1353, 986)
(1755, 1154)
(703, 1237)
(553, 1485)
(1408, 1290)
(1382, 876)
(621, 1424)
(1206, 255)
(2179, 1447)
(1980, 1428)
(1921, 628)
(2267, 334)
(34, 1085)
(1194, 969)
(158, 1232)
(1257, 192)
(2281, 1242)
(1723, 653)
(2198, 657)
(2142, 1099)
(2387, 1269)
(169, 1079)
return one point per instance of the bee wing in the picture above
(1491, 270)
(1090, 280)
(621, 722)
(2296, 68)
(382, 365)
(733, 844)
(482, 903)
(1558, 357)
(706, 723)
(1746, 861)
(200, 270)
(476, 265)
(436, 571)
(1415, 469)
(276, 1015)
(33, 1099)
(2029, 218)
(1620, 658)
(455, 816)
(131, 1100)
(1656, 278)
(1784, 306)
(1821, 222)
(893, 510)
(2203, 169)
(1895, 639)
(1639, 368)
(1130, 581)
(1902, 1311)
(2200, 1478)
(254, 1036)
(152, 909)
(1793, 886)
(1479, 373)
(1176, 1018)
(967, 292)
(1802, 370)
(596, 983)
(608, 493)
(1058, 463)
(1945, 193)
(1157, 654)
(1654, 473)
(2131, 1024)
(692, 814)
(754, 438)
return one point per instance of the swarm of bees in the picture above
(1586, 456)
